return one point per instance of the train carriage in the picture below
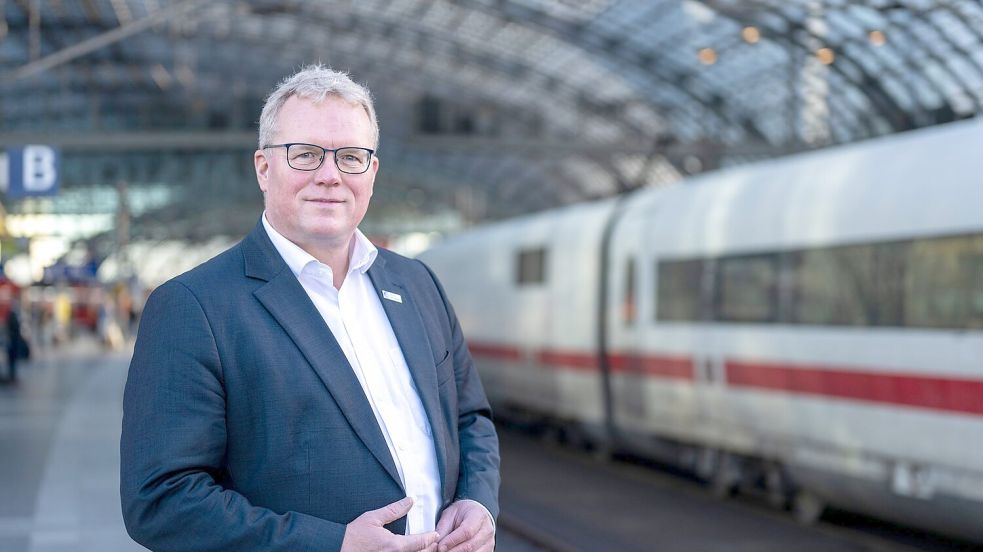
(814, 323)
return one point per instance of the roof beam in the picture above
(94, 141)
(99, 41)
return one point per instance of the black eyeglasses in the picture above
(309, 157)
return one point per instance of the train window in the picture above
(788, 288)
(747, 289)
(884, 290)
(824, 292)
(678, 290)
(856, 285)
(531, 266)
(927, 283)
(944, 287)
(628, 309)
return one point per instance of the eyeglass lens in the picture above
(309, 157)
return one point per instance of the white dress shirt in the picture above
(355, 316)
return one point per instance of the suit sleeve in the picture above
(172, 449)
(479, 477)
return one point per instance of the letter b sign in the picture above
(33, 171)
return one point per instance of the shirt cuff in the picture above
(490, 517)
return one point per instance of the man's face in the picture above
(316, 209)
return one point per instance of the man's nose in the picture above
(328, 172)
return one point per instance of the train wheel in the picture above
(807, 507)
(705, 462)
(721, 470)
(726, 475)
(777, 488)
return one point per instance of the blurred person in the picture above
(62, 316)
(306, 390)
(123, 302)
(17, 346)
(46, 325)
(108, 322)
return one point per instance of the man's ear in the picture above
(374, 169)
(262, 165)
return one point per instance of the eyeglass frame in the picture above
(324, 155)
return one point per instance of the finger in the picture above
(482, 542)
(415, 543)
(463, 533)
(390, 512)
(446, 522)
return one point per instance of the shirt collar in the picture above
(362, 255)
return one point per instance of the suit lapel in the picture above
(408, 327)
(286, 300)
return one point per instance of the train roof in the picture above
(915, 183)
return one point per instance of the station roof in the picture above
(489, 108)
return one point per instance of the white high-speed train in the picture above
(812, 324)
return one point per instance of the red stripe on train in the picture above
(568, 360)
(650, 365)
(498, 352)
(674, 367)
(934, 393)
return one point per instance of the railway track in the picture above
(556, 498)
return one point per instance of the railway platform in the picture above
(60, 427)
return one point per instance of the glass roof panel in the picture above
(591, 71)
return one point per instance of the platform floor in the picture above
(59, 459)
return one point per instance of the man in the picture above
(17, 347)
(305, 390)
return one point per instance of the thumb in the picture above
(423, 541)
(391, 512)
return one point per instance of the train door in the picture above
(708, 363)
(569, 347)
(626, 357)
(636, 403)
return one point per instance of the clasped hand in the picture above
(464, 526)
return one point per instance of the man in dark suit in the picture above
(305, 390)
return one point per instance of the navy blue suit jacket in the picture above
(245, 428)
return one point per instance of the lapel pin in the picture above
(392, 296)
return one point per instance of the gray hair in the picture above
(315, 82)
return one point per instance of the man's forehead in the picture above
(300, 109)
(305, 119)
(330, 101)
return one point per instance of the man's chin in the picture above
(329, 234)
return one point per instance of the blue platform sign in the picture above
(32, 170)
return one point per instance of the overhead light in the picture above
(185, 75)
(707, 56)
(122, 11)
(161, 77)
(826, 55)
(877, 38)
(751, 34)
